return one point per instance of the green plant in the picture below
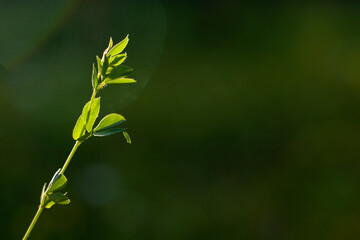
(109, 71)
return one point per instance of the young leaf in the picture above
(57, 197)
(109, 46)
(117, 60)
(78, 130)
(42, 193)
(64, 202)
(59, 182)
(90, 115)
(94, 78)
(109, 121)
(127, 137)
(119, 71)
(119, 80)
(109, 70)
(105, 65)
(52, 203)
(55, 177)
(110, 43)
(108, 132)
(99, 64)
(49, 204)
(118, 48)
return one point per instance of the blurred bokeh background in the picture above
(245, 120)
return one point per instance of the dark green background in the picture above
(245, 120)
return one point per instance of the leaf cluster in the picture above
(51, 195)
(109, 70)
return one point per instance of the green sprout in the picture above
(109, 70)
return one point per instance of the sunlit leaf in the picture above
(110, 43)
(55, 177)
(119, 80)
(117, 60)
(99, 64)
(94, 78)
(64, 202)
(49, 204)
(78, 130)
(108, 132)
(109, 121)
(118, 48)
(109, 70)
(127, 137)
(58, 182)
(90, 115)
(109, 46)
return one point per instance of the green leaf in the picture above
(57, 183)
(117, 60)
(99, 64)
(64, 202)
(118, 48)
(119, 71)
(108, 132)
(49, 204)
(55, 177)
(127, 137)
(57, 197)
(110, 43)
(90, 115)
(43, 191)
(105, 61)
(109, 121)
(119, 80)
(109, 46)
(109, 70)
(94, 78)
(78, 130)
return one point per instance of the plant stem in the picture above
(37, 215)
(76, 145)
